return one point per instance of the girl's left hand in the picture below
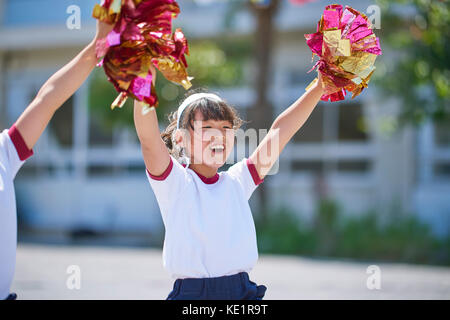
(103, 29)
(319, 81)
(153, 71)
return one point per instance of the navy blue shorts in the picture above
(12, 296)
(234, 287)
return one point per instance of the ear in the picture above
(180, 138)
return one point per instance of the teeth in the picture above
(218, 147)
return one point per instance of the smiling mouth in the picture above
(217, 149)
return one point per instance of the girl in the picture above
(210, 240)
(16, 145)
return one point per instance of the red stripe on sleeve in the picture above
(164, 175)
(20, 145)
(253, 172)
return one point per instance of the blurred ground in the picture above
(137, 273)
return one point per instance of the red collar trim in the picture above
(206, 180)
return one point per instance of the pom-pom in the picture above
(347, 48)
(142, 38)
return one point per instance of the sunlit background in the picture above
(364, 179)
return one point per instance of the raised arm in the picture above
(57, 89)
(154, 150)
(283, 129)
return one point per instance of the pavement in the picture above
(84, 272)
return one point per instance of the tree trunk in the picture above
(261, 113)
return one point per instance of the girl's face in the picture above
(210, 143)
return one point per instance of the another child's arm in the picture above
(155, 153)
(284, 127)
(57, 89)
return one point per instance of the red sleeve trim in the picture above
(164, 175)
(252, 168)
(21, 147)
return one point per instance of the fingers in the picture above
(103, 29)
(153, 71)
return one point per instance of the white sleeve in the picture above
(9, 153)
(169, 185)
(245, 173)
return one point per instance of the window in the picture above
(99, 134)
(308, 166)
(441, 165)
(312, 130)
(442, 133)
(442, 170)
(351, 122)
(330, 125)
(334, 122)
(354, 166)
(61, 126)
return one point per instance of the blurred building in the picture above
(82, 177)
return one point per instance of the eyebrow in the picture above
(225, 122)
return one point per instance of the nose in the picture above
(218, 139)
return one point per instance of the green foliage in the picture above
(401, 239)
(283, 233)
(219, 63)
(416, 67)
(396, 238)
(101, 95)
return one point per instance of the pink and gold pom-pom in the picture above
(142, 39)
(347, 49)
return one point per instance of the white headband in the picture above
(191, 99)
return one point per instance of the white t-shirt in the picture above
(209, 225)
(13, 153)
